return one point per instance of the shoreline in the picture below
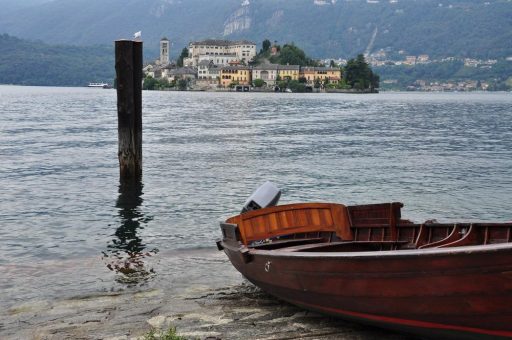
(255, 90)
(212, 300)
(266, 91)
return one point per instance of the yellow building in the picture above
(235, 74)
(309, 74)
(288, 72)
(332, 74)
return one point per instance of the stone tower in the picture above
(165, 47)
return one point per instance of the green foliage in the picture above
(182, 84)
(296, 86)
(170, 334)
(359, 75)
(183, 55)
(317, 83)
(508, 82)
(151, 83)
(293, 85)
(289, 54)
(282, 84)
(292, 55)
(342, 85)
(258, 82)
(447, 71)
(34, 63)
(265, 46)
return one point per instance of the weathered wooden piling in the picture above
(129, 108)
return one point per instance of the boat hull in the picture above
(463, 291)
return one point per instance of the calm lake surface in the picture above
(67, 227)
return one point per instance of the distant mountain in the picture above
(34, 63)
(10, 5)
(323, 28)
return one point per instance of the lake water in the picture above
(68, 228)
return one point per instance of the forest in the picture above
(35, 63)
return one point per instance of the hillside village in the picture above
(382, 58)
(223, 64)
(402, 60)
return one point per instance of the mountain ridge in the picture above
(24, 62)
(323, 28)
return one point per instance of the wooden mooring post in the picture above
(129, 108)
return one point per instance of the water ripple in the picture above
(446, 156)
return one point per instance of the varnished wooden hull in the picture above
(463, 291)
(366, 263)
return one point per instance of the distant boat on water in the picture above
(100, 85)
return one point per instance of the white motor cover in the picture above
(266, 195)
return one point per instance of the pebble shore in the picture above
(216, 302)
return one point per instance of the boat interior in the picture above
(329, 227)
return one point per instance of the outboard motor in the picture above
(265, 196)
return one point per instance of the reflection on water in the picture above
(126, 252)
(445, 155)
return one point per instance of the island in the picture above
(224, 65)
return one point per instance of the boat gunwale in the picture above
(471, 249)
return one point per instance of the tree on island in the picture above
(182, 84)
(265, 46)
(317, 83)
(151, 83)
(288, 54)
(183, 55)
(359, 75)
(258, 82)
(292, 55)
(293, 85)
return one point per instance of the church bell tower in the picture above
(164, 51)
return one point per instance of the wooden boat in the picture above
(366, 263)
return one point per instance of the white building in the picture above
(422, 59)
(149, 71)
(213, 74)
(410, 60)
(266, 72)
(202, 69)
(221, 60)
(165, 72)
(208, 72)
(216, 50)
